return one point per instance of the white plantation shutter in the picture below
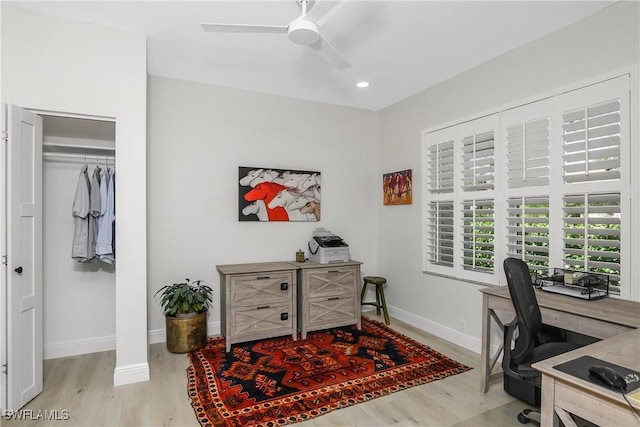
(592, 233)
(439, 211)
(528, 153)
(478, 224)
(591, 137)
(528, 230)
(440, 165)
(478, 161)
(440, 235)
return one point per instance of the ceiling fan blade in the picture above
(330, 54)
(323, 10)
(243, 28)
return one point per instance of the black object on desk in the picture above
(580, 368)
(579, 284)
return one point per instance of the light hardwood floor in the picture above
(83, 386)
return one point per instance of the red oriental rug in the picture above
(280, 381)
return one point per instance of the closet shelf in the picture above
(87, 158)
(58, 147)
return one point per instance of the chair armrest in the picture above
(509, 331)
(550, 334)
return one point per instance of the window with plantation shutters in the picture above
(592, 233)
(592, 142)
(478, 162)
(528, 230)
(440, 233)
(528, 153)
(478, 235)
(547, 181)
(440, 163)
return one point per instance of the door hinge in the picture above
(5, 368)
(4, 260)
(5, 136)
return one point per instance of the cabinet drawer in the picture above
(330, 281)
(327, 312)
(261, 289)
(264, 320)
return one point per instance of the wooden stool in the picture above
(380, 303)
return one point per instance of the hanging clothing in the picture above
(80, 211)
(103, 191)
(105, 243)
(94, 213)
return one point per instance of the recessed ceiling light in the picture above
(362, 84)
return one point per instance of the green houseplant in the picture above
(185, 307)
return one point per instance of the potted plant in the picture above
(185, 308)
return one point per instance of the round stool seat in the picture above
(375, 280)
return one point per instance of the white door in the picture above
(24, 258)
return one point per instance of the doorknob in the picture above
(18, 270)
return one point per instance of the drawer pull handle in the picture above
(262, 307)
(334, 271)
(333, 298)
(284, 286)
(284, 316)
(263, 277)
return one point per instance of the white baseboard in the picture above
(463, 340)
(74, 348)
(130, 374)
(157, 335)
(95, 345)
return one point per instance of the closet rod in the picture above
(88, 158)
(83, 147)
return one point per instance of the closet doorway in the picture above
(67, 307)
(78, 297)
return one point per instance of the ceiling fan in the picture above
(304, 30)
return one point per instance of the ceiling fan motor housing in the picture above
(303, 32)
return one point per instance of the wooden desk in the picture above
(602, 318)
(563, 393)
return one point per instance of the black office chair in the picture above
(534, 341)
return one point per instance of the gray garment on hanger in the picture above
(94, 213)
(104, 246)
(80, 212)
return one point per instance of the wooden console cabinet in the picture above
(257, 301)
(328, 295)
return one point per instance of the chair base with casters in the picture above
(380, 304)
(522, 381)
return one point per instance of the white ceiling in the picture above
(400, 47)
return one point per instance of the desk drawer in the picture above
(594, 406)
(327, 312)
(262, 321)
(261, 289)
(330, 281)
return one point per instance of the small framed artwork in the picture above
(267, 194)
(397, 188)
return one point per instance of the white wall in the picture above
(598, 45)
(200, 134)
(65, 66)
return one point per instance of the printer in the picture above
(326, 248)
